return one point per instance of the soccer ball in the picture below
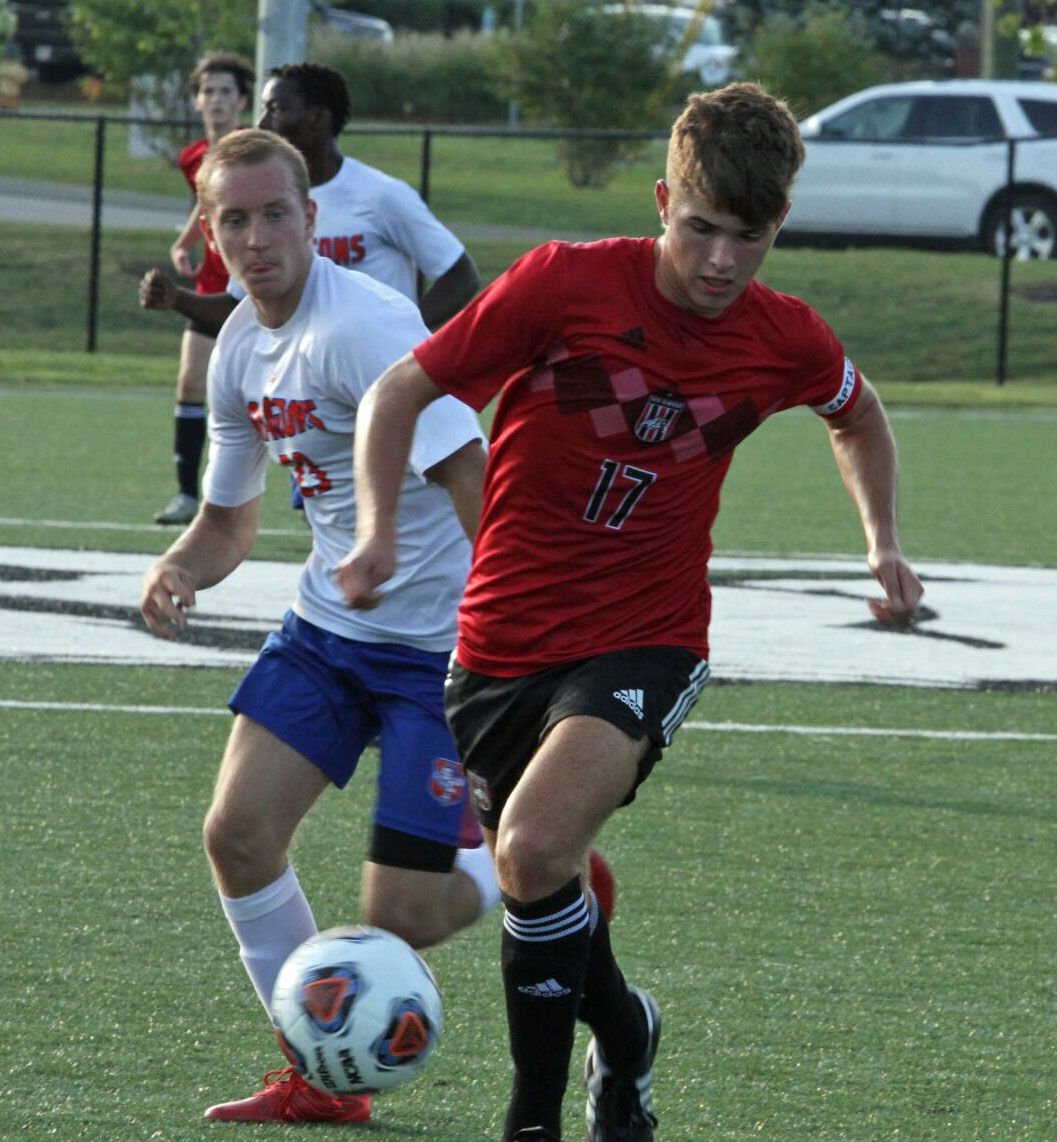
(356, 1010)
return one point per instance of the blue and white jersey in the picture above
(290, 395)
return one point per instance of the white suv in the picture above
(927, 162)
(709, 56)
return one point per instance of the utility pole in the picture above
(987, 39)
(999, 48)
(513, 113)
(282, 37)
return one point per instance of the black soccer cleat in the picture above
(620, 1107)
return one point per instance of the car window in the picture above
(876, 120)
(952, 117)
(1041, 114)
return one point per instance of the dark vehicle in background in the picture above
(43, 39)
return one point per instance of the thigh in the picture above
(264, 785)
(580, 774)
(194, 362)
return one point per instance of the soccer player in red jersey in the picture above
(222, 83)
(627, 371)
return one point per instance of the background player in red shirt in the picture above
(628, 370)
(222, 83)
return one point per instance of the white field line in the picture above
(871, 732)
(711, 727)
(102, 525)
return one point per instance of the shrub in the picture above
(836, 43)
(576, 66)
(422, 77)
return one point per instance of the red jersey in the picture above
(612, 435)
(212, 275)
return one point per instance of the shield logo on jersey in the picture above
(446, 781)
(657, 419)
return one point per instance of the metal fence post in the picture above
(425, 163)
(1007, 266)
(96, 236)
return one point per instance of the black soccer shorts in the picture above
(498, 723)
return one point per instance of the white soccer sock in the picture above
(477, 865)
(268, 925)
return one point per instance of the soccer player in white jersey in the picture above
(289, 370)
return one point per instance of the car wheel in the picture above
(1033, 227)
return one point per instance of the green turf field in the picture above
(850, 928)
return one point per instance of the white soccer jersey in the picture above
(291, 394)
(368, 221)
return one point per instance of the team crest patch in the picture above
(446, 781)
(657, 419)
(481, 792)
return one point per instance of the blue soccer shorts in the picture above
(330, 697)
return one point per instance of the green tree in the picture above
(148, 50)
(8, 23)
(575, 65)
(842, 58)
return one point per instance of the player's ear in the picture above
(663, 197)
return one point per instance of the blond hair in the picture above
(249, 147)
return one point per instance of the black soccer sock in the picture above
(189, 437)
(544, 957)
(607, 1007)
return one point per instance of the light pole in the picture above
(282, 37)
(519, 14)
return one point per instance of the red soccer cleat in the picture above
(287, 1097)
(603, 883)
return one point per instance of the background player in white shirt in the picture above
(365, 219)
(288, 372)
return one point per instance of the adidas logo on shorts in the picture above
(633, 699)
(548, 989)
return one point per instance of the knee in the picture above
(237, 846)
(418, 924)
(531, 863)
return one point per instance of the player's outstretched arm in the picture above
(208, 551)
(209, 310)
(189, 237)
(866, 456)
(385, 427)
(461, 475)
(450, 292)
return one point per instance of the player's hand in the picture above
(168, 595)
(156, 291)
(181, 260)
(902, 588)
(361, 573)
